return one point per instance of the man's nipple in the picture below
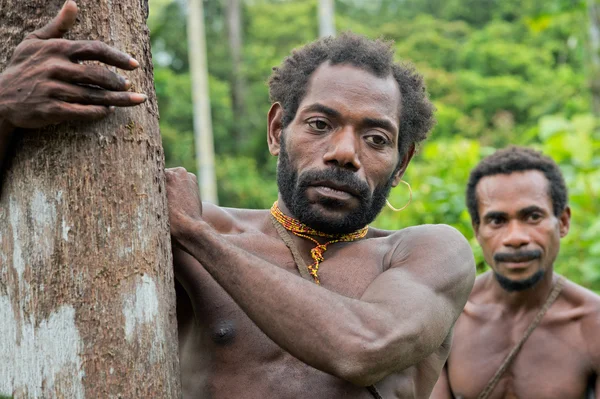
(223, 332)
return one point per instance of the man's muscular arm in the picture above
(590, 328)
(402, 317)
(441, 390)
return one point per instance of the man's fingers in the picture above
(92, 50)
(90, 75)
(59, 25)
(88, 95)
(63, 112)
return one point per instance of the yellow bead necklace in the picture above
(302, 230)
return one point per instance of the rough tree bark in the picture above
(326, 18)
(86, 282)
(203, 133)
(237, 79)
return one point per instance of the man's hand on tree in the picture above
(183, 196)
(45, 84)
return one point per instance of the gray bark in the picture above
(87, 305)
(238, 82)
(326, 18)
(203, 134)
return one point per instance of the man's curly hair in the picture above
(517, 159)
(289, 81)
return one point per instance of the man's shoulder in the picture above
(586, 304)
(233, 220)
(431, 237)
(440, 233)
(581, 297)
(441, 242)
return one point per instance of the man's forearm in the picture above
(324, 329)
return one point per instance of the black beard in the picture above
(519, 285)
(293, 192)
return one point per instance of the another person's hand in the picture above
(183, 196)
(45, 84)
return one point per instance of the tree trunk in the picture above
(86, 279)
(203, 134)
(238, 82)
(326, 18)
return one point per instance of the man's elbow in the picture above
(359, 374)
(370, 362)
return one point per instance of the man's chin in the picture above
(512, 284)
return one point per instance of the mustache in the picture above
(336, 175)
(521, 256)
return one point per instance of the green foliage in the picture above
(498, 71)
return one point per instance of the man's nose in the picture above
(343, 149)
(517, 235)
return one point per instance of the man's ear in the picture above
(565, 221)
(403, 165)
(274, 128)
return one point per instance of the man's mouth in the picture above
(334, 190)
(517, 260)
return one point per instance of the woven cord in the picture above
(287, 239)
(558, 286)
(373, 391)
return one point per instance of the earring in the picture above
(409, 199)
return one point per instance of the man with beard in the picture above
(304, 299)
(525, 332)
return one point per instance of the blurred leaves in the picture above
(499, 72)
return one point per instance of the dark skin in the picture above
(250, 326)
(562, 356)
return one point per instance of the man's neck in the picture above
(522, 301)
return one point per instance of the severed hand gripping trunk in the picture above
(87, 305)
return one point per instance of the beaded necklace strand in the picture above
(302, 230)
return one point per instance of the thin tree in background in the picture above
(203, 134)
(238, 82)
(87, 305)
(326, 18)
(594, 16)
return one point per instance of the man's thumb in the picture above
(60, 25)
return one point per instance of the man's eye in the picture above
(496, 221)
(534, 217)
(318, 124)
(377, 140)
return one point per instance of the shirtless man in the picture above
(517, 199)
(376, 313)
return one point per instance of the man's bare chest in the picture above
(223, 334)
(551, 363)
(347, 268)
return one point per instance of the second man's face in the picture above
(518, 231)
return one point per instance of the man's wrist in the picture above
(189, 232)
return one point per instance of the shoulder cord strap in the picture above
(373, 391)
(558, 286)
(287, 239)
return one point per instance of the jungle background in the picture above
(499, 72)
